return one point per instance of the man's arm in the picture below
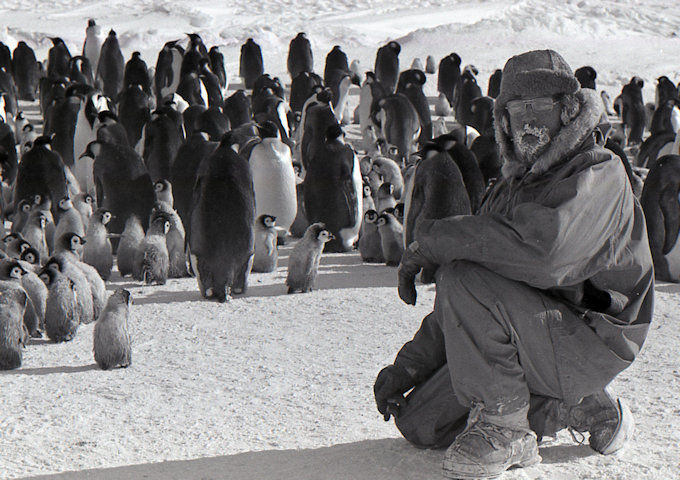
(572, 234)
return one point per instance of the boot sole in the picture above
(532, 459)
(623, 433)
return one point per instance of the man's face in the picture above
(534, 121)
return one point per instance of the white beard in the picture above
(530, 150)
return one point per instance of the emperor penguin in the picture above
(58, 57)
(97, 250)
(391, 238)
(399, 123)
(67, 258)
(130, 241)
(152, 261)
(223, 196)
(251, 63)
(303, 263)
(271, 163)
(162, 140)
(385, 199)
(660, 201)
(26, 71)
(266, 253)
(13, 300)
(333, 190)
(174, 239)
(388, 170)
(112, 344)
(136, 72)
(430, 65)
(111, 67)
(468, 91)
(238, 109)
(300, 56)
(167, 71)
(134, 111)
(12, 272)
(448, 77)
(387, 65)
(370, 246)
(62, 312)
(34, 232)
(84, 203)
(163, 192)
(93, 43)
(217, 66)
(411, 84)
(68, 219)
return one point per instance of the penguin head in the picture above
(121, 296)
(370, 216)
(30, 255)
(383, 219)
(25, 206)
(161, 185)
(71, 242)
(268, 129)
(87, 198)
(334, 132)
(367, 191)
(22, 246)
(55, 264)
(104, 216)
(11, 270)
(10, 238)
(44, 141)
(325, 236)
(65, 204)
(267, 221)
(93, 149)
(91, 22)
(48, 275)
(386, 189)
(398, 211)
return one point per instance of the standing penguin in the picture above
(174, 239)
(217, 66)
(411, 85)
(448, 77)
(134, 111)
(152, 261)
(68, 220)
(222, 223)
(370, 246)
(266, 254)
(130, 241)
(391, 238)
(137, 73)
(468, 91)
(661, 203)
(162, 140)
(251, 64)
(13, 300)
(58, 58)
(300, 56)
(387, 65)
(34, 232)
(111, 67)
(26, 71)
(112, 345)
(163, 192)
(303, 263)
(97, 250)
(633, 113)
(333, 190)
(93, 43)
(271, 164)
(62, 317)
(168, 65)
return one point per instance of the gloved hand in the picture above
(392, 381)
(412, 261)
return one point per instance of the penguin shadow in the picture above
(665, 287)
(51, 370)
(554, 454)
(157, 296)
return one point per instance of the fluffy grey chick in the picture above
(112, 345)
(304, 259)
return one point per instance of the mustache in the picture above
(530, 150)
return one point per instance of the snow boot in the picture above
(490, 445)
(609, 422)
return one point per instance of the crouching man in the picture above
(542, 298)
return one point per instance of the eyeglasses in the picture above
(538, 105)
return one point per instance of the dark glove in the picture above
(391, 383)
(412, 261)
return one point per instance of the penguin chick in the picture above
(391, 238)
(112, 346)
(152, 262)
(304, 259)
(13, 335)
(174, 240)
(11, 271)
(21, 213)
(266, 253)
(34, 232)
(130, 240)
(370, 246)
(163, 192)
(30, 260)
(385, 198)
(62, 317)
(97, 250)
(85, 204)
(69, 220)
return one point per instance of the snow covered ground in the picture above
(276, 386)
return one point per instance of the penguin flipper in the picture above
(670, 208)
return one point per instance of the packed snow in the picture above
(276, 386)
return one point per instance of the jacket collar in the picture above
(565, 143)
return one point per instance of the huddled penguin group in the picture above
(172, 169)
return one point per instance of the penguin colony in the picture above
(175, 134)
